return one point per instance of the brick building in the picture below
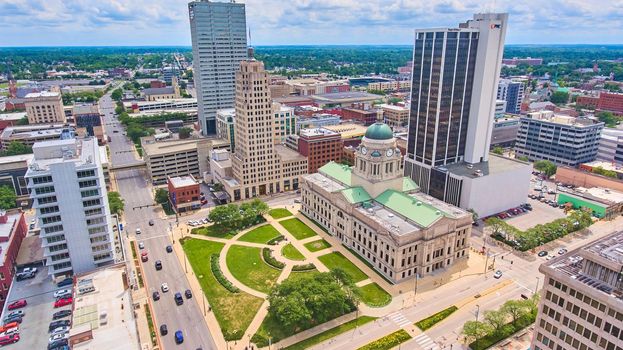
(610, 102)
(587, 101)
(320, 146)
(184, 193)
(358, 113)
(13, 229)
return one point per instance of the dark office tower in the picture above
(219, 37)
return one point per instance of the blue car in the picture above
(179, 337)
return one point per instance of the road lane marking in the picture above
(399, 319)
(426, 342)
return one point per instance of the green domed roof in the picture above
(379, 131)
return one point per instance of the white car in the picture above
(30, 270)
(62, 293)
(141, 245)
(59, 336)
(497, 274)
(10, 331)
(60, 330)
(204, 221)
(191, 223)
(138, 231)
(164, 287)
(15, 313)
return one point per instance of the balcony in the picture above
(51, 269)
(48, 254)
(45, 244)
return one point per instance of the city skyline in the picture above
(161, 23)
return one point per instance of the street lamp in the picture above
(477, 311)
(417, 276)
(537, 285)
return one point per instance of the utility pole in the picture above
(415, 288)
(536, 288)
(477, 311)
(486, 262)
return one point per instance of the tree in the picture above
(523, 158)
(162, 196)
(496, 225)
(559, 97)
(226, 215)
(115, 202)
(7, 197)
(15, 148)
(23, 121)
(217, 187)
(497, 150)
(117, 95)
(515, 309)
(608, 118)
(601, 171)
(496, 319)
(474, 214)
(394, 100)
(546, 167)
(185, 132)
(475, 330)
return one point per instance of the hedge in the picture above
(436, 318)
(276, 240)
(270, 260)
(506, 331)
(218, 274)
(388, 341)
(305, 267)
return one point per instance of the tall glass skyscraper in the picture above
(219, 37)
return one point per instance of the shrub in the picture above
(388, 341)
(436, 318)
(218, 274)
(506, 331)
(270, 260)
(276, 240)
(305, 267)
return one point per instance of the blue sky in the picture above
(299, 22)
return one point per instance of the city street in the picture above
(136, 191)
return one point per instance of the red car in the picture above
(144, 257)
(17, 304)
(63, 302)
(9, 339)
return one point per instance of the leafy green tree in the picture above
(23, 121)
(185, 132)
(523, 158)
(496, 319)
(546, 167)
(473, 330)
(117, 95)
(7, 197)
(115, 202)
(601, 171)
(474, 214)
(226, 215)
(495, 224)
(497, 150)
(608, 118)
(559, 97)
(515, 309)
(161, 196)
(217, 187)
(15, 148)
(394, 100)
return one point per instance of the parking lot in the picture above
(38, 292)
(541, 214)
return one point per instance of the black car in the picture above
(57, 344)
(169, 249)
(163, 329)
(188, 294)
(61, 314)
(542, 253)
(178, 298)
(151, 222)
(66, 282)
(156, 296)
(56, 324)
(61, 347)
(158, 265)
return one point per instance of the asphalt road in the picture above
(136, 191)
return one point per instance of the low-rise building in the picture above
(88, 121)
(11, 119)
(161, 105)
(583, 101)
(362, 113)
(395, 116)
(30, 134)
(581, 304)
(351, 133)
(611, 146)
(344, 99)
(583, 178)
(394, 85)
(310, 86)
(504, 131)
(44, 108)
(12, 172)
(602, 202)
(317, 121)
(184, 193)
(320, 146)
(561, 139)
(285, 122)
(610, 101)
(378, 213)
(225, 121)
(163, 93)
(13, 229)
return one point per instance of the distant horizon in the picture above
(289, 45)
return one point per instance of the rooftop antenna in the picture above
(250, 50)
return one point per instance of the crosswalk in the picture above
(399, 319)
(426, 343)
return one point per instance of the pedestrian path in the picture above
(399, 319)
(425, 342)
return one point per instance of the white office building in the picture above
(219, 39)
(67, 186)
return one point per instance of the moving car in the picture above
(163, 329)
(17, 304)
(497, 274)
(562, 251)
(9, 339)
(62, 293)
(151, 222)
(158, 265)
(66, 282)
(542, 253)
(169, 249)
(164, 287)
(63, 302)
(179, 337)
(156, 295)
(61, 314)
(178, 299)
(188, 294)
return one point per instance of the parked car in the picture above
(179, 337)
(141, 245)
(151, 222)
(155, 295)
(30, 270)
(20, 276)
(542, 253)
(188, 294)
(58, 336)
(17, 304)
(163, 329)
(138, 231)
(58, 343)
(66, 282)
(158, 265)
(562, 251)
(297, 201)
(56, 324)
(63, 302)
(10, 331)
(9, 339)
(14, 318)
(144, 257)
(61, 314)
(16, 313)
(8, 326)
(178, 298)
(62, 293)
(164, 287)
(169, 249)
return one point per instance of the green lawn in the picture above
(246, 264)
(432, 320)
(217, 231)
(330, 333)
(302, 274)
(234, 311)
(337, 260)
(317, 245)
(261, 234)
(375, 296)
(297, 228)
(388, 342)
(279, 213)
(290, 252)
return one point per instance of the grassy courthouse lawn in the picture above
(279, 213)
(337, 260)
(317, 245)
(234, 311)
(297, 228)
(247, 266)
(290, 252)
(261, 234)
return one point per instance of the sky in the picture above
(303, 22)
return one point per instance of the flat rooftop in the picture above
(349, 95)
(183, 181)
(394, 108)
(496, 164)
(598, 194)
(317, 132)
(286, 154)
(42, 94)
(5, 232)
(348, 130)
(79, 151)
(107, 312)
(12, 116)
